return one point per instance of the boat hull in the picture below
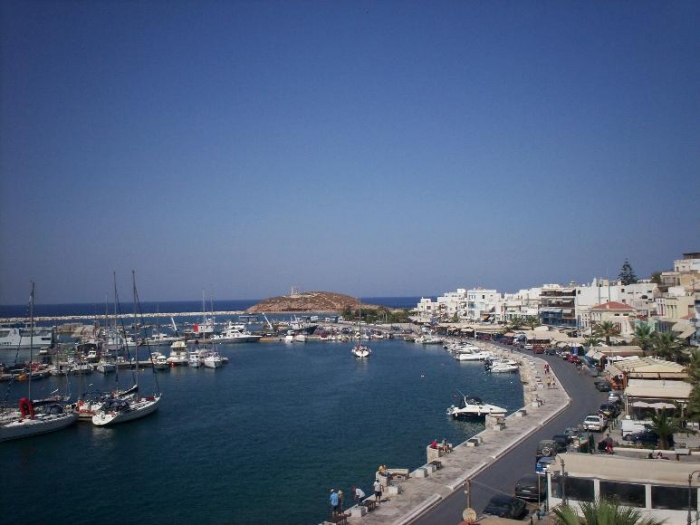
(41, 424)
(136, 410)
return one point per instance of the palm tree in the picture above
(666, 345)
(591, 341)
(515, 323)
(606, 329)
(643, 337)
(532, 322)
(665, 427)
(603, 512)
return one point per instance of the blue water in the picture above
(261, 440)
(98, 310)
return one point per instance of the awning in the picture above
(658, 406)
(687, 333)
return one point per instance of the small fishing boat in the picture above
(361, 351)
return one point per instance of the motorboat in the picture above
(118, 410)
(503, 365)
(19, 336)
(361, 351)
(474, 407)
(106, 367)
(179, 355)
(160, 362)
(195, 359)
(235, 333)
(473, 355)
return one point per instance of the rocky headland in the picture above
(308, 302)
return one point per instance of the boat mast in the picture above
(31, 341)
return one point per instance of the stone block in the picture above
(420, 473)
(357, 511)
(393, 490)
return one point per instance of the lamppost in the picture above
(690, 494)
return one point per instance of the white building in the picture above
(640, 296)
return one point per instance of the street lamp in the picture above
(690, 494)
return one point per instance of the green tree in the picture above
(666, 346)
(664, 426)
(532, 322)
(602, 512)
(643, 337)
(591, 341)
(627, 275)
(656, 278)
(515, 323)
(606, 330)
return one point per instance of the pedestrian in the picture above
(340, 501)
(591, 443)
(334, 501)
(358, 495)
(549, 382)
(377, 491)
(609, 444)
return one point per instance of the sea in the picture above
(261, 440)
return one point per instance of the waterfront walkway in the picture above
(426, 486)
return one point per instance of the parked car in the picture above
(609, 410)
(531, 487)
(615, 397)
(543, 465)
(549, 447)
(506, 507)
(632, 426)
(563, 441)
(603, 385)
(573, 358)
(594, 423)
(646, 438)
(550, 351)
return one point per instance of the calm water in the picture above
(261, 440)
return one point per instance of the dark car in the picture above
(563, 440)
(549, 447)
(506, 507)
(531, 487)
(646, 438)
(609, 410)
(603, 386)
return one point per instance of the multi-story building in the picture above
(640, 296)
(483, 305)
(522, 304)
(557, 306)
(621, 315)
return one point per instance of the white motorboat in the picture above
(361, 351)
(160, 362)
(501, 366)
(473, 355)
(179, 355)
(474, 407)
(195, 359)
(19, 336)
(235, 333)
(117, 410)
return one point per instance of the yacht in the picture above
(18, 336)
(179, 356)
(235, 333)
(474, 407)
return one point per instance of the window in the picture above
(627, 494)
(673, 498)
(579, 489)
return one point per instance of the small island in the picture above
(309, 302)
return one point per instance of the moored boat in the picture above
(474, 407)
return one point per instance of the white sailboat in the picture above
(27, 422)
(119, 410)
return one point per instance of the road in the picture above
(502, 475)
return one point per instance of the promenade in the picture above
(405, 500)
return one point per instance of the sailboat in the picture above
(27, 422)
(360, 350)
(120, 410)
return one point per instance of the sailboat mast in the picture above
(31, 341)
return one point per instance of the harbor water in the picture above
(261, 440)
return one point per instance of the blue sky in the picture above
(369, 148)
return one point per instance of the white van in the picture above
(630, 426)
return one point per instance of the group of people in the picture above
(444, 446)
(336, 498)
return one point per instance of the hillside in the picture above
(307, 302)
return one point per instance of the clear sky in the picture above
(373, 148)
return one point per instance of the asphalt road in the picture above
(501, 476)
